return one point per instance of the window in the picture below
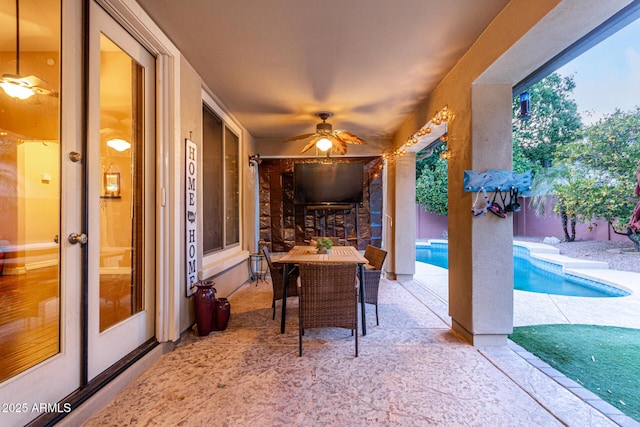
(220, 183)
(231, 187)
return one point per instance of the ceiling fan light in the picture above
(324, 144)
(16, 90)
(118, 144)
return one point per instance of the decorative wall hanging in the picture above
(499, 180)
(111, 183)
(191, 207)
(507, 185)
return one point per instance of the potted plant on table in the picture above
(323, 245)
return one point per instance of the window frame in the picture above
(231, 249)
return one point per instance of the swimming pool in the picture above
(530, 274)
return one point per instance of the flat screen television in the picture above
(328, 183)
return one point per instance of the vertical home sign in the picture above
(191, 197)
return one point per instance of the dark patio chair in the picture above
(277, 281)
(328, 295)
(372, 272)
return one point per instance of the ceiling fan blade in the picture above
(42, 91)
(34, 81)
(339, 146)
(296, 138)
(310, 144)
(31, 82)
(349, 137)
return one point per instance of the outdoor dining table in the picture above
(309, 254)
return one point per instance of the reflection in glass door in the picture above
(30, 186)
(121, 149)
(121, 193)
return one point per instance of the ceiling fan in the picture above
(325, 138)
(15, 85)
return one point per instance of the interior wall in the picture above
(38, 192)
(284, 224)
(8, 192)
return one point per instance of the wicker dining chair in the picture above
(328, 295)
(277, 281)
(372, 272)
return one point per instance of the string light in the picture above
(442, 116)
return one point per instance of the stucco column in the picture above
(480, 248)
(404, 226)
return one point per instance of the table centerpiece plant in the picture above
(323, 244)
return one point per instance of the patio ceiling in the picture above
(274, 63)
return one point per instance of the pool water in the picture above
(545, 277)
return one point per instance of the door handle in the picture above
(75, 238)
(75, 157)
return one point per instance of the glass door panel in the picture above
(121, 193)
(29, 188)
(40, 204)
(121, 117)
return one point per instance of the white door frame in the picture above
(109, 346)
(59, 375)
(169, 252)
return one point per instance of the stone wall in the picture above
(284, 224)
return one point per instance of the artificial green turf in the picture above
(603, 359)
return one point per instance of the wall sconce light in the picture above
(525, 106)
(112, 185)
(254, 158)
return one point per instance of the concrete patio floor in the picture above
(411, 370)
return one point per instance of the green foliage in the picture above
(522, 163)
(543, 185)
(602, 167)
(554, 122)
(432, 182)
(324, 243)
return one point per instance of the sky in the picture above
(608, 75)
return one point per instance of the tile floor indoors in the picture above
(411, 370)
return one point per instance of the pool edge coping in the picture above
(597, 271)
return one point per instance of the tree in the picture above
(546, 183)
(603, 165)
(554, 122)
(432, 183)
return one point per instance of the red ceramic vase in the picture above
(205, 304)
(221, 314)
